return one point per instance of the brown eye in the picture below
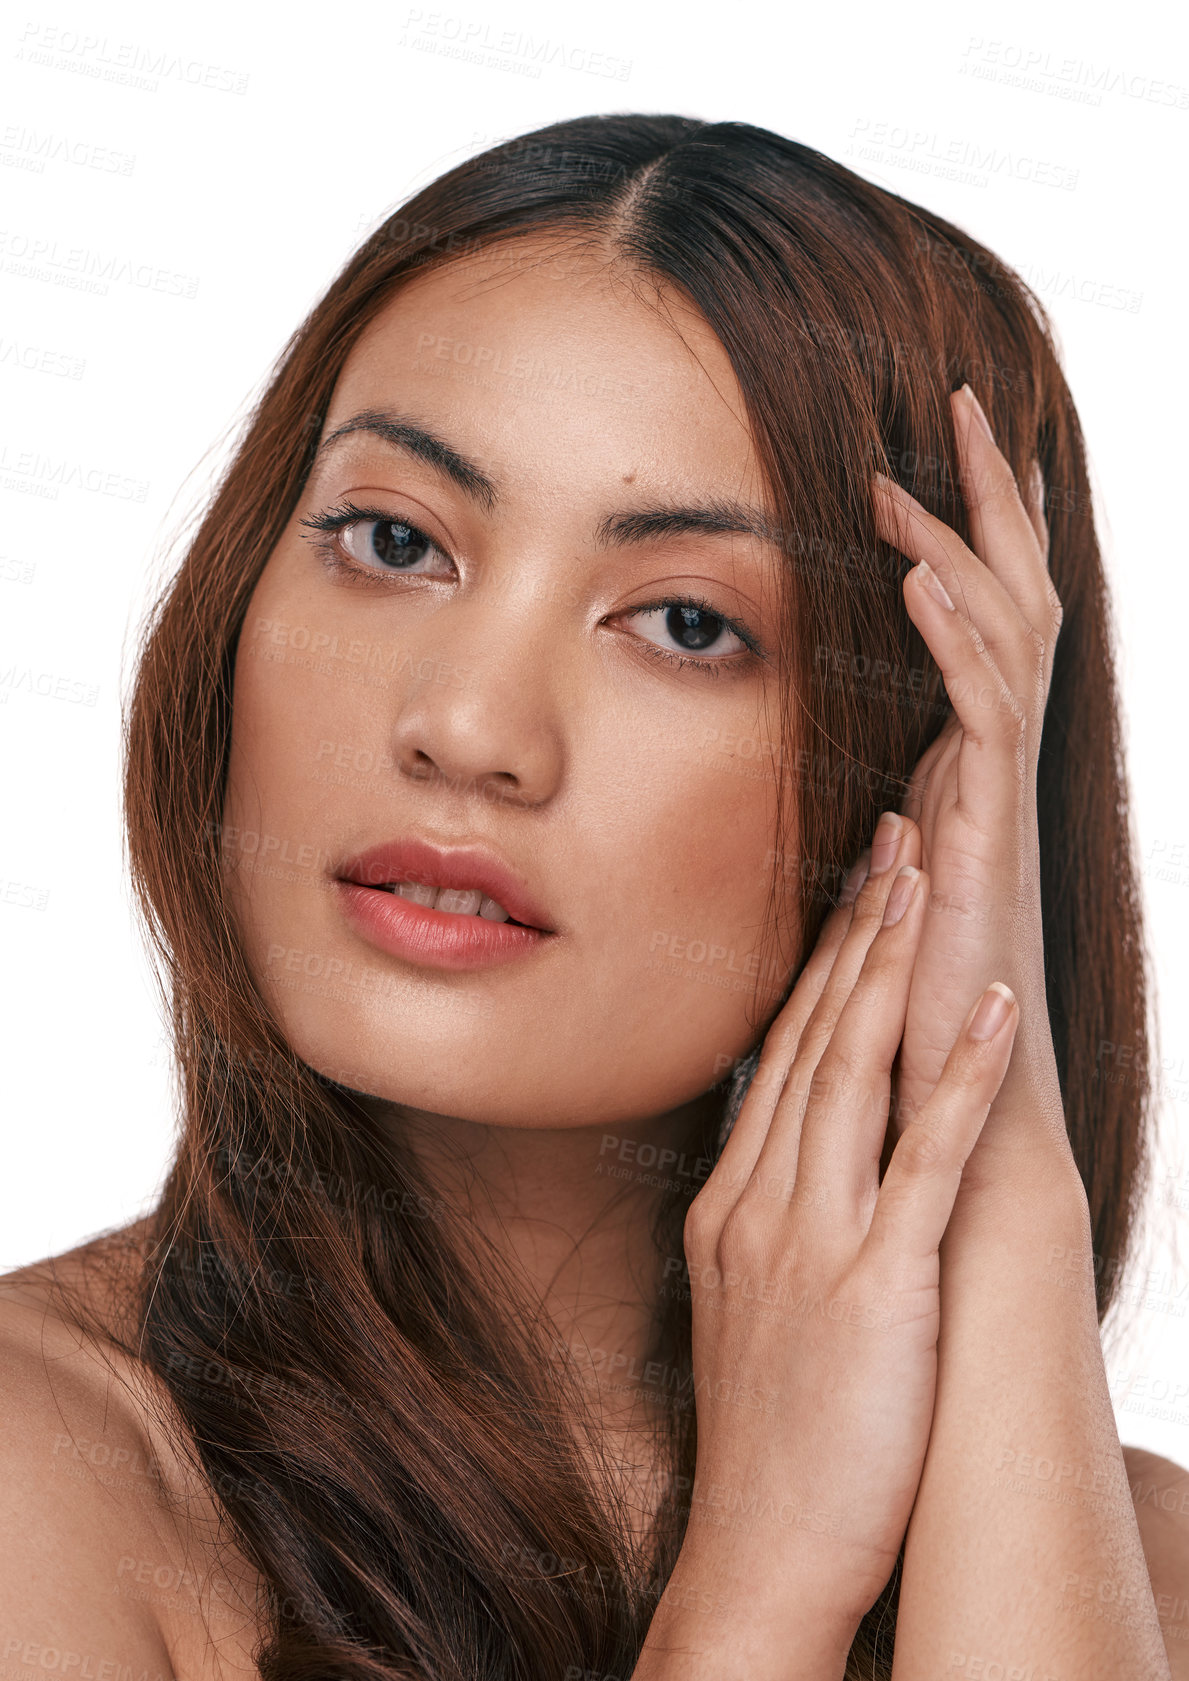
(369, 542)
(694, 629)
(389, 542)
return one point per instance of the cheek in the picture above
(301, 699)
(292, 725)
(698, 874)
(672, 820)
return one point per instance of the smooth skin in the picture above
(1017, 1255)
(809, 1270)
(526, 693)
(512, 700)
(974, 789)
(1016, 1267)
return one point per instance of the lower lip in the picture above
(440, 939)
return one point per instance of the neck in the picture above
(572, 1208)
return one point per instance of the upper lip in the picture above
(439, 866)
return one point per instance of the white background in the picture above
(259, 150)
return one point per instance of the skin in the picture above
(1016, 1256)
(1015, 1259)
(557, 725)
(557, 739)
(616, 785)
(1017, 1253)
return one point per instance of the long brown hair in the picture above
(390, 1445)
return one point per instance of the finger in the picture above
(773, 1149)
(737, 1156)
(992, 717)
(846, 1115)
(1003, 528)
(1004, 535)
(784, 1035)
(982, 600)
(914, 802)
(897, 842)
(920, 1186)
(737, 1159)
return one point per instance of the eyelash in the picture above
(331, 521)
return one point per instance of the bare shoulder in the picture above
(1160, 1495)
(94, 1559)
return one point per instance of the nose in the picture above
(475, 706)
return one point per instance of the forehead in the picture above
(538, 357)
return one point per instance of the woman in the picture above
(547, 1283)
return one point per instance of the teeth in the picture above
(458, 901)
(419, 894)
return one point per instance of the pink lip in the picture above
(441, 938)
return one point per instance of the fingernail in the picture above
(885, 842)
(927, 576)
(977, 410)
(901, 894)
(994, 1007)
(855, 879)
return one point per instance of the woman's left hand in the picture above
(973, 795)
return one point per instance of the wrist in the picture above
(1027, 1232)
(681, 1647)
(1023, 1181)
(724, 1619)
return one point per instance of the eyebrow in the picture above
(717, 517)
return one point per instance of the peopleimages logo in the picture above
(81, 269)
(31, 149)
(1015, 64)
(22, 468)
(38, 360)
(24, 680)
(953, 158)
(451, 35)
(127, 62)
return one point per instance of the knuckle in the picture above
(868, 909)
(1038, 644)
(794, 1087)
(701, 1226)
(910, 823)
(921, 1149)
(839, 1073)
(743, 1245)
(1013, 717)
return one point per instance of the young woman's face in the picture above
(491, 672)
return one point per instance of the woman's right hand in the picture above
(815, 1299)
